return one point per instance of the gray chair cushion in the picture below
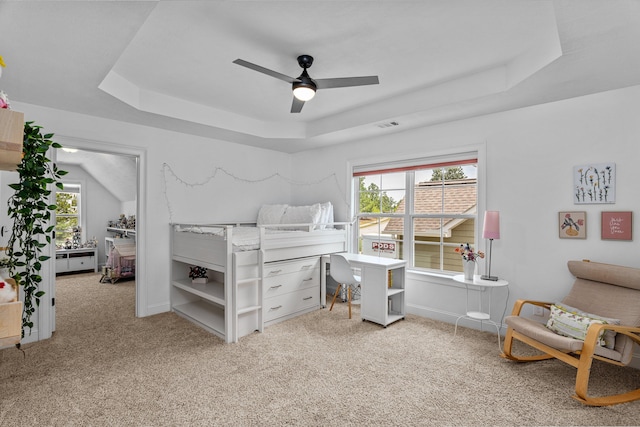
(541, 333)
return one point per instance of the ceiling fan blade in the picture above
(297, 105)
(266, 71)
(346, 82)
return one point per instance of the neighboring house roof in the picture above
(459, 198)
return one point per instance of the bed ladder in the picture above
(258, 296)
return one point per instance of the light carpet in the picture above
(104, 367)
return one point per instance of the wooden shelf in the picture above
(11, 135)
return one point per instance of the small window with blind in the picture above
(419, 211)
(68, 219)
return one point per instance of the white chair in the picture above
(341, 271)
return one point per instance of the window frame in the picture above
(477, 151)
(81, 208)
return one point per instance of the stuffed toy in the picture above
(7, 292)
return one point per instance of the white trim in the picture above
(83, 203)
(141, 206)
(387, 163)
(477, 150)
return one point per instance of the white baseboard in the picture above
(449, 317)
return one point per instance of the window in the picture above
(68, 215)
(419, 212)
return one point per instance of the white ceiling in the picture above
(168, 64)
(117, 173)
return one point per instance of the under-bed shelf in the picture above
(207, 315)
(212, 291)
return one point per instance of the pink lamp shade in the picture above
(491, 228)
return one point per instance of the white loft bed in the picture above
(236, 256)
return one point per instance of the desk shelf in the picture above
(380, 303)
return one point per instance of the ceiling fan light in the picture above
(303, 91)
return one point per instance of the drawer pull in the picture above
(306, 267)
(275, 271)
(306, 280)
(275, 287)
(307, 298)
(278, 307)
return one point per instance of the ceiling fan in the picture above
(304, 87)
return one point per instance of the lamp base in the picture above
(492, 278)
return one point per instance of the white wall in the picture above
(530, 154)
(193, 160)
(99, 206)
(128, 208)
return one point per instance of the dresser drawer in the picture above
(273, 269)
(289, 276)
(81, 263)
(289, 303)
(284, 283)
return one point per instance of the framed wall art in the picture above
(617, 226)
(572, 225)
(594, 184)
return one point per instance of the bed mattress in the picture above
(243, 238)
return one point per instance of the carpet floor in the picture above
(105, 367)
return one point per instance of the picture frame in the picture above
(594, 184)
(616, 225)
(572, 224)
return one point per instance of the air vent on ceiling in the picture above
(387, 125)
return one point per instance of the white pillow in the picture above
(578, 320)
(301, 215)
(271, 214)
(326, 215)
(574, 323)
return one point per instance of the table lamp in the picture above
(491, 230)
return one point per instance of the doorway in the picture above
(116, 172)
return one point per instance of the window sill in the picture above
(433, 277)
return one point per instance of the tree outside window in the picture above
(67, 213)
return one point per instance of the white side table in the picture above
(481, 315)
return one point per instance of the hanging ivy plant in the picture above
(30, 211)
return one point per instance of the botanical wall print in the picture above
(572, 225)
(617, 225)
(594, 183)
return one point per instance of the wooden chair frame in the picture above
(581, 360)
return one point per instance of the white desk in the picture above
(482, 316)
(380, 303)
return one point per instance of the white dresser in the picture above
(290, 288)
(72, 260)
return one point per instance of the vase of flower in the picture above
(469, 268)
(198, 275)
(469, 258)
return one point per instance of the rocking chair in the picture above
(598, 320)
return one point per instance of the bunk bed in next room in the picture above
(257, 274)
